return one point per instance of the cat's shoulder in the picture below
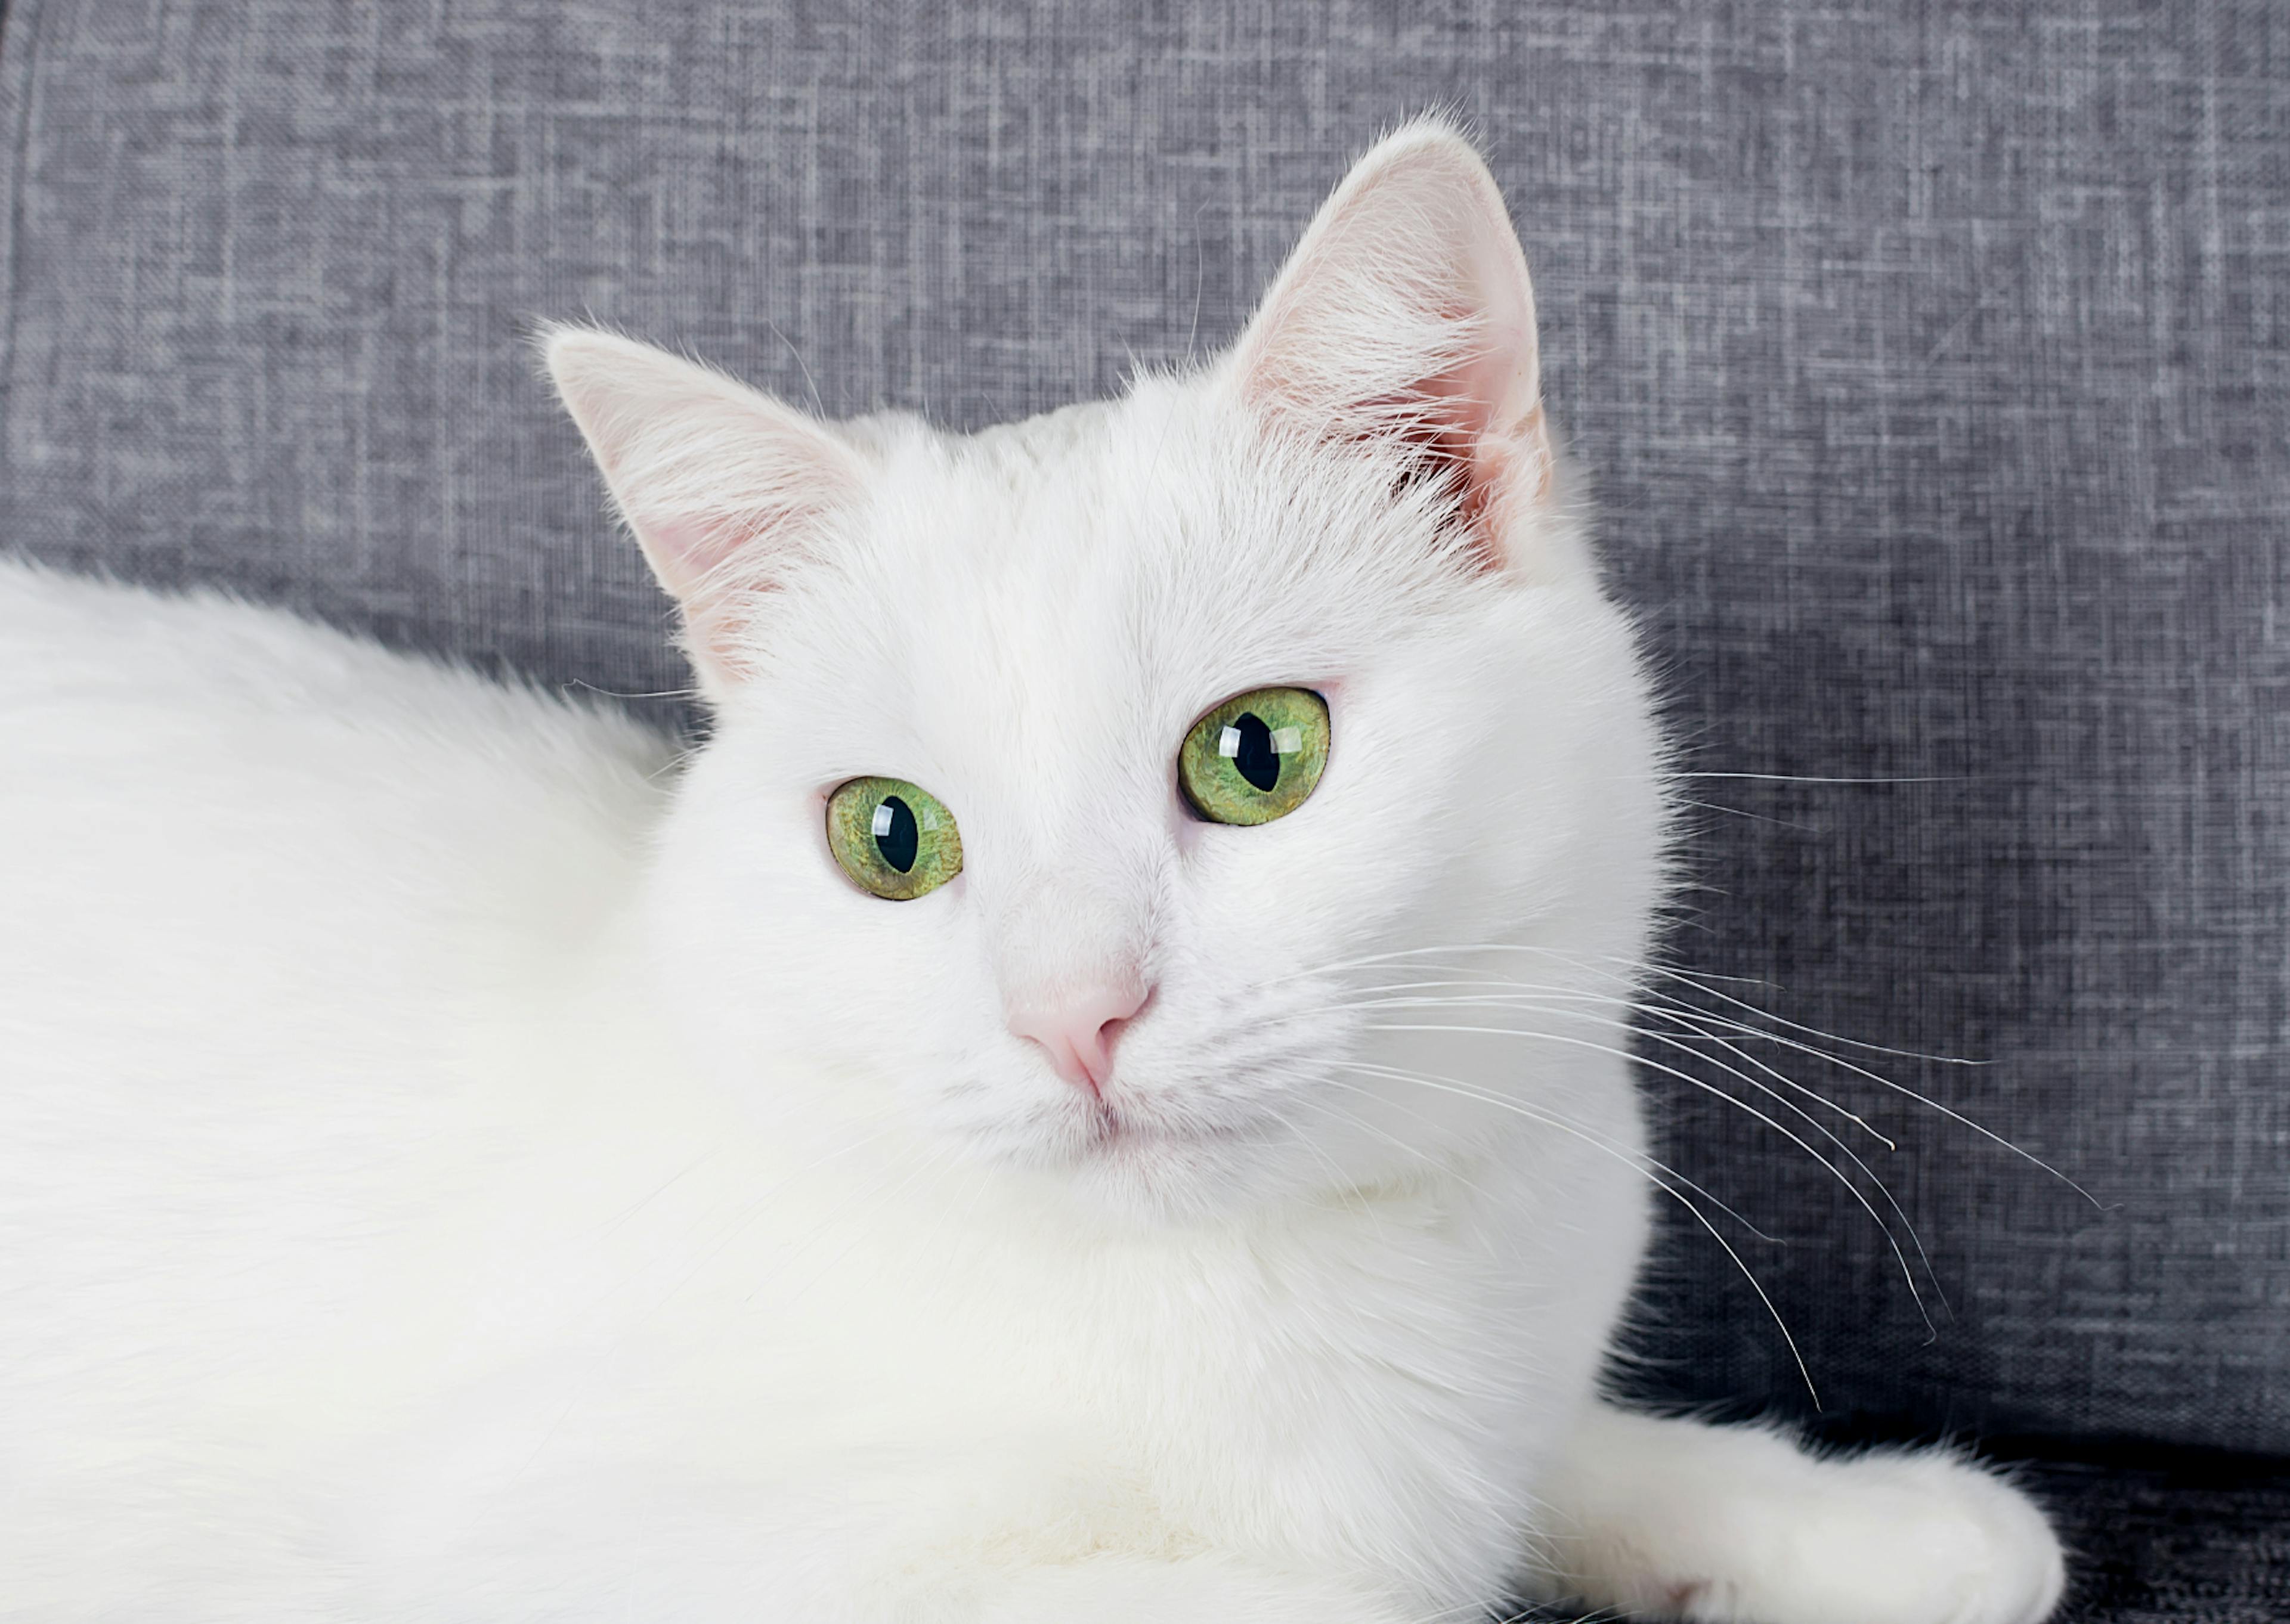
(253, 727)
(77, 646)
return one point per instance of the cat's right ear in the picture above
(721, 486)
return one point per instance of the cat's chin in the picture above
(1139, 1172)
(1159, 1186)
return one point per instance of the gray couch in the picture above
(1931, 363)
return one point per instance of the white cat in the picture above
(458, 1162)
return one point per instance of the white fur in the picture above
(457, 1164)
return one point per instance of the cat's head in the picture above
(1172, 968)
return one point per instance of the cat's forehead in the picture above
(1104, 573)
(1156, 525)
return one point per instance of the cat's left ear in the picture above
(1405, 316)
(724, 486)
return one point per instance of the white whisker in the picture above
(1700, 984)
(1638, 1160)
(1803, 1144)
(1700, 1217)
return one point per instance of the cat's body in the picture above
(457, 1162)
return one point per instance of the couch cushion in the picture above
(2169, 1541)
(1933, 362)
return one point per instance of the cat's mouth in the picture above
(1140, 1163)
(1112, 1128)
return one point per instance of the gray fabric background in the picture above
(1933, 362)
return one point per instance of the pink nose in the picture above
(1077, 1031)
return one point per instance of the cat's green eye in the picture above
(1255, 757)
(894, 839)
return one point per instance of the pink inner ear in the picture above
(1405, 318)
(692, 556)
(1500, 441)
(1496, 466)
(1505, 466)
(697, 563)
(721, 485)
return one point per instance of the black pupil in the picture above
(1254, 759)
(901, 838)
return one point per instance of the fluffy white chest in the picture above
(1369, 1386)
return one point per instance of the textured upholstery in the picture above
(1932, 364)
(2194, 1539)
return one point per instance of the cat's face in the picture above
(1174, 1015)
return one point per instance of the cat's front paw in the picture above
(1888, 1540)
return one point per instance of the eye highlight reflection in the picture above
(895, 840)
(1257, 756)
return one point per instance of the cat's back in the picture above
(231, 834)
(186, 768)
(267, 893)
(265, 884)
